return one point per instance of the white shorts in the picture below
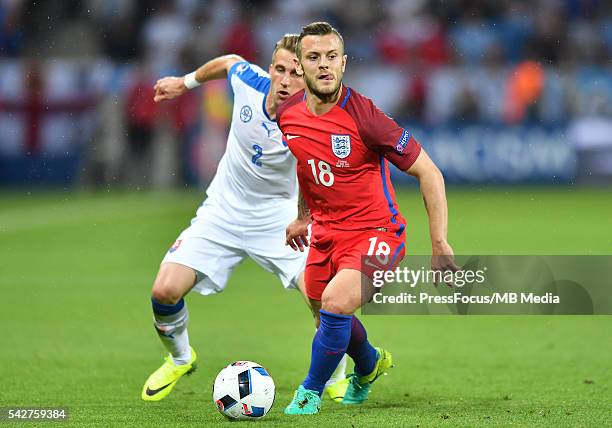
(219, 240)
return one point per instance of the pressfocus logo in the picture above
(489, 285)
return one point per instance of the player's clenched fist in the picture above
(297, 234)
(168, 88)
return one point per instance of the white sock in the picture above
(339, 373)
(172, 331)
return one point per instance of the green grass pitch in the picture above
(75, 276)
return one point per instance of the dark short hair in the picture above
(317, 29)
(288, 42)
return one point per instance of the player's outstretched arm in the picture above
(434, 194)
(170, 87)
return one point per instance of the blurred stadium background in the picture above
(498, 91)
(512, 98)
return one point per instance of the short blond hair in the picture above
(288, 42)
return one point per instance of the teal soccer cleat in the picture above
(359, 386)
(305, 402)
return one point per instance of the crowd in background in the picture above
(429, 62)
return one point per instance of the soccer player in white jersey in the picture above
(251, 200)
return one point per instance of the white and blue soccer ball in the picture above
(244, 390)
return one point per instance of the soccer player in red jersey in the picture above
(343, 144)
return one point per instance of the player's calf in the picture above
(170, 319)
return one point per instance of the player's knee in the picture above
(165, 292)
(336, 304)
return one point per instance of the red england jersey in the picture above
(342, 161)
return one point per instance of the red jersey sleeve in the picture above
(382, 134)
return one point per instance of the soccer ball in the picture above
(244, 390)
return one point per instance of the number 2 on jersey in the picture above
(324, 176)
(258, 153)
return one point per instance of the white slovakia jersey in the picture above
(257, 170)
(251, 200)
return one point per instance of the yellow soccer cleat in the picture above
(160, 383)
(336, 390)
